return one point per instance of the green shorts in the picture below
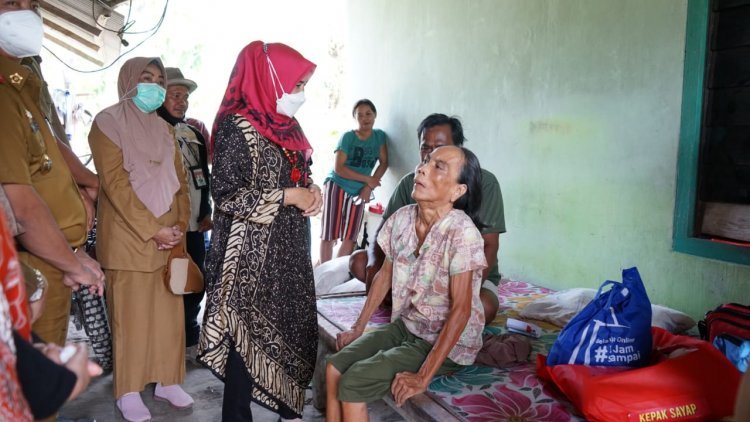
(369, 364)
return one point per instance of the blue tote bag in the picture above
(614, 329)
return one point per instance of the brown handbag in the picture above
(182, 275)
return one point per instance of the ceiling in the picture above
(86, 28)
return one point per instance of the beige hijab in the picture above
(148, 148)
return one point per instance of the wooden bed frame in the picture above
(423, 407)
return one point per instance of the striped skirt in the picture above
(342, 217)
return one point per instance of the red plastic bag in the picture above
(698, 384)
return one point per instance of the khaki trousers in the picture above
(52, 325)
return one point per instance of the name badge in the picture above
(199, 178)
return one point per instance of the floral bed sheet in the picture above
(479, 393)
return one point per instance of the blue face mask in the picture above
(150, 96)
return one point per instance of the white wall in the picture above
(574, 105)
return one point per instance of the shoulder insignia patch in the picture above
(16, 78)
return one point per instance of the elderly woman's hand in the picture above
(406, 385)
(345, 337)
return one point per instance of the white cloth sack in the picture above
(350, 286)
(331, 274)
(559, 307)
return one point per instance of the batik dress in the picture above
(260, 289)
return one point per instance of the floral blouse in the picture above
(421, 285)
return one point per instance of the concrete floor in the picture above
(98, 404)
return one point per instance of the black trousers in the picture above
(237, 389)
(196, 247)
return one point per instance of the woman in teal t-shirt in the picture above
(349, 185)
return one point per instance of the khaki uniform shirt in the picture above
(45, 101)
(124, 225)
(30, 155)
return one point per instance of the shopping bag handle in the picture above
(599, 292)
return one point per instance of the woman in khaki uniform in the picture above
(143, 211)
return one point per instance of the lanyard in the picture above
(185, 146)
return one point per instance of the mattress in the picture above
(479, 393)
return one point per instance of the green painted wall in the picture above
(574, 105)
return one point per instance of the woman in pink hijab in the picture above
(142, 213)
(260, 330)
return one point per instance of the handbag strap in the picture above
(180, 250)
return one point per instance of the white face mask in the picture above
(21, 33)
(288, 104)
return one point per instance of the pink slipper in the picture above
(132, 408)
(174, 394)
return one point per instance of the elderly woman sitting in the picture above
(434, 261)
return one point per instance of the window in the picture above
(712, 208)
